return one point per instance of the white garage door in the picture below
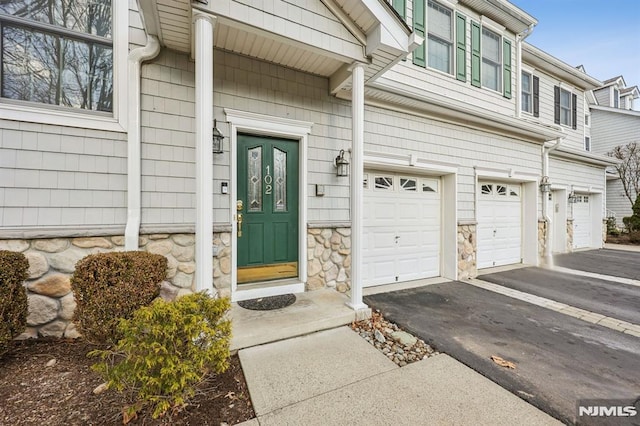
(499, 224)
(582, 222)
(401, 228)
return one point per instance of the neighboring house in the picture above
(614, 122)
(450, 123)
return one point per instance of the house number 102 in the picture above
(268, 180)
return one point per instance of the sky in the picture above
(604, 36)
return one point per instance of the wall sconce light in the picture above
(218, 138)
(342, 165)
(572, 197)
(545, 185)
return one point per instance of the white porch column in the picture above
(357, 166)
(204, 156)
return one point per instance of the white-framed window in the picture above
(383, 183)
(587, 143)
(429, 185)
(491, 59)
(408, 184)
(63, 62)
(527, 92)
(587, 120)
(440, 37)
(565, 107)
(616, 98)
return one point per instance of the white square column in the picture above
(357, 171)
(204, 25)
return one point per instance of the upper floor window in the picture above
(527, 92)
(440, 37)
(616, 98)
(491, 59)
(58, 52)
(399, 6)
(565, 107)
(587, 143)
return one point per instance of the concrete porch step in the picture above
(313, 311)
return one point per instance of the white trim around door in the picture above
(265, 125)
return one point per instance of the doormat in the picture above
(268, 303)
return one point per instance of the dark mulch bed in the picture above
(621, 239)
(34, 392)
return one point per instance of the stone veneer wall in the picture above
(329, 258)
(604, 231)
(569, 235)
(542, 233)
(52, 261)
(467, 260)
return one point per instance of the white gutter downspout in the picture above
(134, 173)
(548, 240)
(520, 37)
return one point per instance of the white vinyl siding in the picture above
(440, 38)
(617, 201)
(491, 73)
(612, 128)
(396, 133)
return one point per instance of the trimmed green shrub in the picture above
(612, 227)
(166, 350)
(632, 223)
(13, 296)
(111, 286)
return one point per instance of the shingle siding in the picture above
(57, 176)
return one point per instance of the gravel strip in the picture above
(398, 345)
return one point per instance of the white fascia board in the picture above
(544, 61)
(391, 31)
(584, 157)
(616, 110)
(408, 163)
(505, 174)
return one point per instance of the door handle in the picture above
(239, 206)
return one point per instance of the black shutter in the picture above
(536, 96)
(574, 110)
(556, 104)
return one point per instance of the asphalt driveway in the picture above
(612, 299)
(559, 359)
(617, 263)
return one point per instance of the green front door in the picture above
(268, 201)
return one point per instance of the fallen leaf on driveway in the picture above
(502, 362)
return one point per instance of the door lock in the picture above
(239, 206)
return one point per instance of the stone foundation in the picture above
(542, 243)
(604, 231)
(52, 261)
(569, 235)
(329, 258)
(467, 261)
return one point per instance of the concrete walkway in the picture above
(334, 377)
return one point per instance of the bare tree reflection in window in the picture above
(55, 68)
